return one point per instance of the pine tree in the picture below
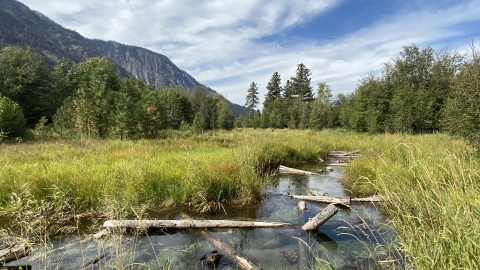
(274, 88)
(252, 98)
(300, 84)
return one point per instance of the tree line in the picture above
(419, 91)
(91, 99)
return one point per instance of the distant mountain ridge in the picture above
(19, 25)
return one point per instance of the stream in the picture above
(355, 238)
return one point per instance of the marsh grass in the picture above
(432, 181)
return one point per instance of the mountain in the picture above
(21, 26)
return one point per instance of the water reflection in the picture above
(348, 239)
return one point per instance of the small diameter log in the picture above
(185, 224)
(343, 153)
(284, 169)
(324, 199)
(343, 164)
(13, 252)
(320, 218)
(369, 199)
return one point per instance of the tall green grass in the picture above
(432, 181)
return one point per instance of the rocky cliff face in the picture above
(148, 66)
(21, 26)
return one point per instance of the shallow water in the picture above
(348, 240)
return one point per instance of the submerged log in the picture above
(13, 252)
(320, 218)
(233, 255)
(317, 193)
(186, 224)
(284, 169)
(324, 199)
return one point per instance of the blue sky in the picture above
(227, 44)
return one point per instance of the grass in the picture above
(432, 181)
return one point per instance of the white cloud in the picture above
(218, 42)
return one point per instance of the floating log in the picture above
(320, 218)
(340, 164)
(13, 252)
(343, 153)
(284, 169)
(324, 199)
(369, 199)
(186, 224)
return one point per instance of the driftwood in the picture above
(369, 199)
(284, 169)
(186, 224)
(12, 252)
(317, 193)
(320, 218)
(339, 164)
(242, 262)
(344, 153)
(324, 199)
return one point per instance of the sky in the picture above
(227, 44)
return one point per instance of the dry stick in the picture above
(284, 169)
(320, 218)
(343, 153)
(375, 198)
(96, 260)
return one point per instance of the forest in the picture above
(419, 91)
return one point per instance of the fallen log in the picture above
(284, 169)
(320, 218)
(302, 205)
(343, 153)
(224, 249)
(324, 199)
(16, 267)
(340, 164)
(369, 199)
(317, 193)
(186, 224)
(13, 251)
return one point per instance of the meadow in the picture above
(431, 181)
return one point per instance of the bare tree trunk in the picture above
(284, 169)
(324, 199)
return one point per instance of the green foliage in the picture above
(199, 124)
(24, 78)
(177, 106)
(12, 121)
(252, 98)
(462, 109)
(299, 86)
(274, 88)
(322, 115)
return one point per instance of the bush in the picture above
(12, 121)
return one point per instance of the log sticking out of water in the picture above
(284, 169)
(320, 218)
(13, 252)
(324, 199)
(302, 205)
(242, 262)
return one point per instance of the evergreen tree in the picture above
(177, 105)
(274, 88)
(252, 98)
(300, 84)
(321, 115)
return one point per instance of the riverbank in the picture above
(432, 181)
